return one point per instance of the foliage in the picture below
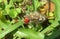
(13, 23)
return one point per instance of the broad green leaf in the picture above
(57, 10)
(18, 10)
(36, 4)
(29, 34)
(13, 13)
(9, 28)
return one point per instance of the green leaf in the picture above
(57, 10)
(55, 34)
(29, 34)
(8, 28)
(36, 4)
(18, 10)
(13, 13)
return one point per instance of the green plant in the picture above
(15, 9)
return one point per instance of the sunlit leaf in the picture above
(18, 10)
(13, 13)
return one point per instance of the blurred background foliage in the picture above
(12, 20)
